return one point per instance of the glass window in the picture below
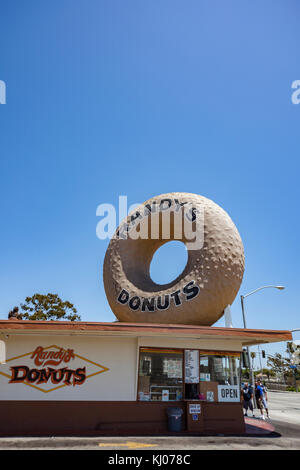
(219, 376)
(160, 375)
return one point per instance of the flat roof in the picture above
(246, 336)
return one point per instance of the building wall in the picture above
(110, 363)
(58, 418)
(105, 403)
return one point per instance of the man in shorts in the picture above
(247, 394)
(261, 398)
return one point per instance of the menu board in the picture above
(191, 365)
(174, 369)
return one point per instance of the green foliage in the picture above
(278, 363)
(245, 373)
(281, 365)
(292, 389)
(253, 356)
(290, 347)
(48, 307)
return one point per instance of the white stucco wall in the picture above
(111, 364)
(118, 355)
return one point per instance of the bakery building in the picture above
(162, 355)
(77, 378)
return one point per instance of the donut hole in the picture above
(168, 262)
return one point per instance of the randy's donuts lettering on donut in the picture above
(210, 279)
(163, 205)
(161, 302)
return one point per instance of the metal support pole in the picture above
(248, 352)
(259, 354)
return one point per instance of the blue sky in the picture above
(136, 98)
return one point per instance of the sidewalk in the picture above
(258, 427)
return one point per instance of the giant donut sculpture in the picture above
(207, 285)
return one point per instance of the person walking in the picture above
(247, 394)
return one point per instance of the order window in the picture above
(160, 375)
(219, 376)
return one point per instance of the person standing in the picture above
(261, 398)
(247, 394)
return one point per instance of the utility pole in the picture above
(259, 355)
(248, 353)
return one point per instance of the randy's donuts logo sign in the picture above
(50, 368)
(45, 358)
(42, 357)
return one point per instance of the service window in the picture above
(219, 376)
(191, 374)
(160, 375)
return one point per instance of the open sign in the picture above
(228, 393)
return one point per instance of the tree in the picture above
(253, 356)
(293, 351)
(48, 307)
(281, 366)
(290, 347)
(277, 363)
(245, 373)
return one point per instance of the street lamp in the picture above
(253, 292)
(244, 320)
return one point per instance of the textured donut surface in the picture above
(210, 280)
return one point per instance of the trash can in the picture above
(174, 419)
